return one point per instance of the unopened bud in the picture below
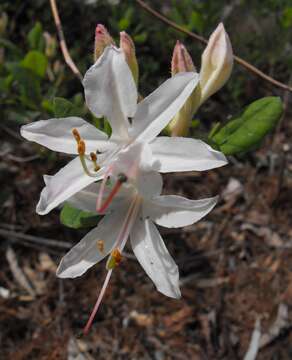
(128, 47)
(217, 63)
(102, 40)
(51, 45)
(181, 60)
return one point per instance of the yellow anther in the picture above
(100, 245)
(116, 254)
(76, 135)
(81, 147)
(93, 156)
(114, 259)
(94, 159)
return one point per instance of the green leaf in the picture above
(35, 37)
(246, 131)
(64, 108)
(36, 62)
(29, 86)
(75, 218)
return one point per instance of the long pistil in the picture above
(122, 178)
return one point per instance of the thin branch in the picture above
(35, 239)
(62, 41)
(201, 39)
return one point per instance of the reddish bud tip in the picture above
(181, 59)
(102, 40)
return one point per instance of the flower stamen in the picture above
(114, 259)
(98, 302)
(81, 149)
(116, 255)
(100, 245)
(94, 160)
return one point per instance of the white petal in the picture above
(175, 211)
(149, 184)
(56, 134)
(65, 183)
(153, 256)
(110, 90)
(86, 253)
(184, 154)
(157, 109)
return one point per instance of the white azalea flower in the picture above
(132, 214)
(110, 91)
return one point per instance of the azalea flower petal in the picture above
(86, 253)
(56, 134)
(65, 183)
(149, 184)
(171, 154)
(176, 211)
(157, 109)
(154, 257)
(110, 91)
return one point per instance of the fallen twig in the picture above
(254, 342)
(17, 273)
(281, 323)
(202, 40)
(35, 239)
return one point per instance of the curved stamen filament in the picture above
(122, 178)
(98, 302)
(81, 149)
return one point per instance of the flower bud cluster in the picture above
(216, 67)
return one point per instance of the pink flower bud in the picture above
(102, 40)
(181, 60)
(128, 47)
(217, 63)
